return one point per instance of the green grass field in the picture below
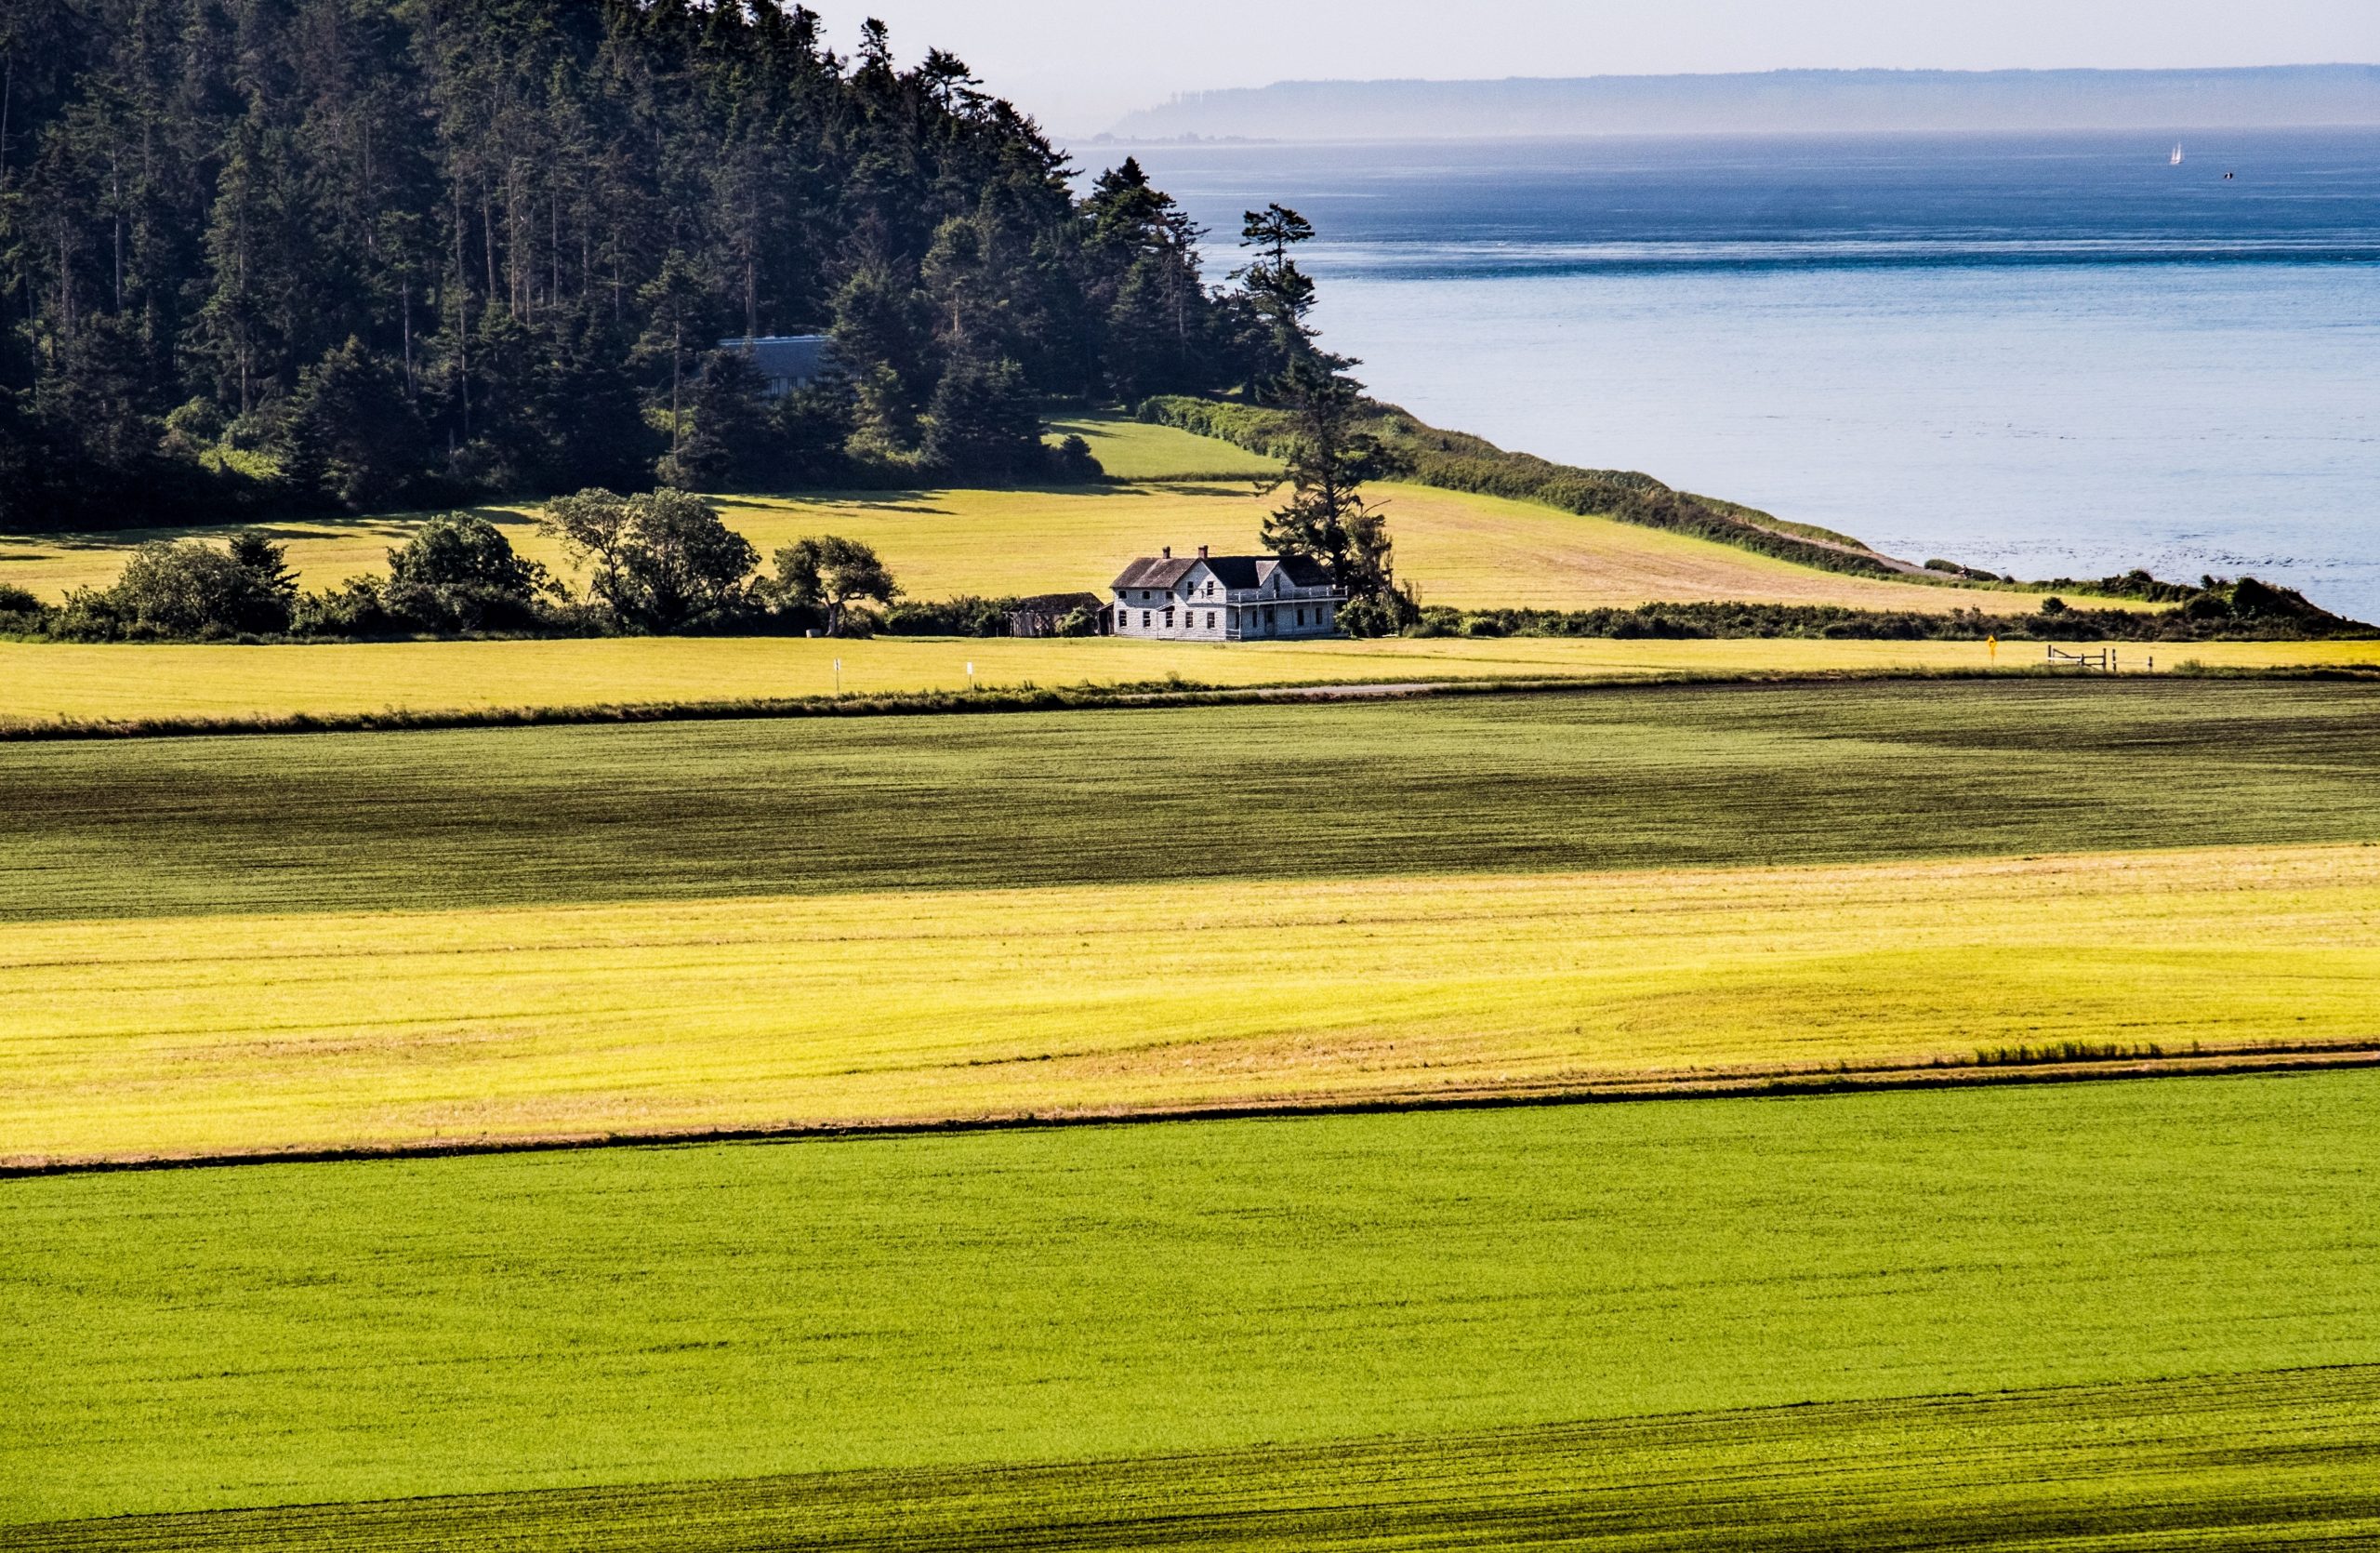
(236, 1339)
(48, 682)
(1135, 450)
(1460, 549)
(2232, 1461)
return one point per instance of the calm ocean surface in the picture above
(2051, 356)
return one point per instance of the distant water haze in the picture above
(1781, 102)
(2052, 355)
(1080, 66)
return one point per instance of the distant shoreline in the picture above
(1794, 102)
(1109, 141)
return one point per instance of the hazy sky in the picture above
(1080, 65)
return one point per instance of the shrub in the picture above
(21, 613)
(1258, 430)
(1437, 620)
(965, 616)
(1390, 613)
(460, 574)
(1771, 621)
(190, 590)
(354, 608)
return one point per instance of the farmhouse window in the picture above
(1211, 619)
(1145, 619)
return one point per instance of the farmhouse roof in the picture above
(1302, 571)
(1162, 571)
(1234, 572)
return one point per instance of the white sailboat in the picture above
(2177, 154)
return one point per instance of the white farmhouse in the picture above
(1225, 598)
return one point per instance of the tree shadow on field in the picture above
(936, 501)
(917, 502)
(395, 526)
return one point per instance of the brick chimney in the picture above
(1169, 552)
(1202, 553)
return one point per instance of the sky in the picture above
(1080, 65)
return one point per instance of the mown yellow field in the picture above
(222, 1034)
(41, 683)
(1470, 552)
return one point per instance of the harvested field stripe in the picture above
(2117, 1066)
(220, 1035)
(2219, 1462)
(1622, 779)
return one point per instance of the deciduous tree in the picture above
(661, 561)
(831, 574)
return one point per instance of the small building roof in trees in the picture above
(785, 362)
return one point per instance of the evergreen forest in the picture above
(262, 258)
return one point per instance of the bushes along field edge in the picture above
(2060, 1063)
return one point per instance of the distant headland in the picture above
(1846, 101)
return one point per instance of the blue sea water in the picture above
(2054, 355)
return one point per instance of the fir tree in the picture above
(534, 220)
(1327, 518)
(984, 421)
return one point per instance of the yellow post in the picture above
(1993, 643)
